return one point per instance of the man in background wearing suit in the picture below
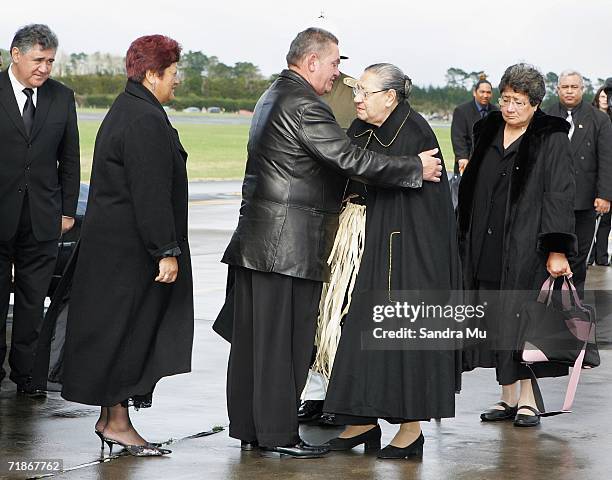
(464, 118)
(591, 138)
(39, 187)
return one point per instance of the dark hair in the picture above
(310, 40)
(392, 78)
(526, 79)
(595, 101)
(482, 81)
(151, 52)
(34, 34)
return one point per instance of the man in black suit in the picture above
(39, 186)
(464, 118)
(591, 138)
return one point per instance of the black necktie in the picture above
(28, 110)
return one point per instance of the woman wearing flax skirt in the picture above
(410, 245)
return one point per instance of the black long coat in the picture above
(539, 214)
(410, 245)
(125, 331)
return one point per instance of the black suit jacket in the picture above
(592, 153)
(464, 118)
(46, 164)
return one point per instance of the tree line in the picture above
(206, 82)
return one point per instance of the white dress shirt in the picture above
(18, 91)
(22, 97)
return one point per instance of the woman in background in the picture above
(599, 253)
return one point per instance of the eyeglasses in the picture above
(360, 91)
(507, 101)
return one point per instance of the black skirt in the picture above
(405, 249)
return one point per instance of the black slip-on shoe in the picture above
(414, 450)
(522, 420)
(370, 439)
(496, 415)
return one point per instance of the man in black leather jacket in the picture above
(298, 163)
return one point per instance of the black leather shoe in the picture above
(310, 410)
(248, 446)
(370, 439)
(300, 450)
(605, 263)
(496, 415)
(414, 450)
(522, 420)
(30, 391)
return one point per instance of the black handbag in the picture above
(560, 333)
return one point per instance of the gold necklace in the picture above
(372, 134)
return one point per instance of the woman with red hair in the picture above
(130, 321)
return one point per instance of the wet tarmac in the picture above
(576, 445)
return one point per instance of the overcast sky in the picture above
(423, 37)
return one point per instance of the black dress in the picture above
(410, 245)
(124, 330)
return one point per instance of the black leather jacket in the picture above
(298, 161)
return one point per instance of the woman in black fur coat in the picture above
(515, 228)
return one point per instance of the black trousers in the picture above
(599, 254)
(585, 229)
(34, 263)
(275, 320)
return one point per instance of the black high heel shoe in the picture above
(101, 437)
(371, 440)
(146, 450)
(415, 449)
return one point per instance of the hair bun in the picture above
(407, 85)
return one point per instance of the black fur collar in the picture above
(485, 131)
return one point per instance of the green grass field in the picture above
(215, 151)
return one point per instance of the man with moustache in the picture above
(591, 139)
(39, 187)
(298, 162)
